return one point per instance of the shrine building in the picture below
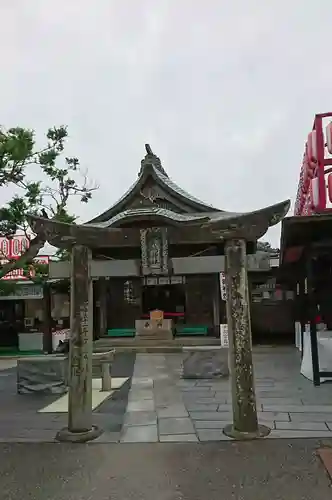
(164, 253)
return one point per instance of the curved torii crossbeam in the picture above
(247, 225)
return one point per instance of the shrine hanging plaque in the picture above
(154, 251)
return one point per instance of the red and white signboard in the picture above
(13, 249)
(314, 194)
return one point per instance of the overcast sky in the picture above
(224, 91)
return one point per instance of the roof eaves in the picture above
(105, 216)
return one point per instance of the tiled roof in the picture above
(151, 164)
(174, 187)
(202, 213)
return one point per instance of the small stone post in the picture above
(245, 424)
(80, 428)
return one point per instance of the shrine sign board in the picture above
(156, 315)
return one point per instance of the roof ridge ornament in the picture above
(148, 150)
(151, 159)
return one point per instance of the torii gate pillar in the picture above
(80, 428)
(245, 423)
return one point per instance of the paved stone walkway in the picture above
(156, 410)
(162, 407)
(156, 405)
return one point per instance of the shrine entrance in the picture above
(169, 298)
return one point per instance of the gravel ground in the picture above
(260, 470)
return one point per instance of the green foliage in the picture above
(265, 246)
(35, 272)
(7, 288)
(63, 254)
(19, 157)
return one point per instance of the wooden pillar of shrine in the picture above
(102, 297)
(80, 428)
(245, 423)
(47, 319)
(216, 306)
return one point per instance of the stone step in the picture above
(108, 342)
(154, 338)
(154, 342)
(147, 349)
(157, 333)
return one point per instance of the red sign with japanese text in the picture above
(12, 249)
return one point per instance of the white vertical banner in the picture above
(224, 327)
(224, 336)
(298, 342)
(223, 286)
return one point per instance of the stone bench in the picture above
(205, 362)
(104, 360)
(48, 374)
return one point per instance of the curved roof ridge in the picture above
(151, 165)
(154, 211)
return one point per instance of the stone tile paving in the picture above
(21, 422)
(156, 410)
(164, 407)
(158, 406)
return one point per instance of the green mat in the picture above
(192, 330)
(8, 352)
(121, 332)
(182, 330)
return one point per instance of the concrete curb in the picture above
(325, 454)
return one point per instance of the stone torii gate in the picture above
(235, 230)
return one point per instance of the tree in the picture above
(265, 246)
(20, 160)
